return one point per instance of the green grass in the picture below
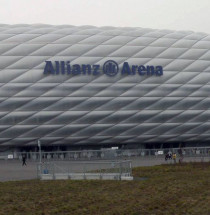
(169, 190)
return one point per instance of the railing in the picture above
(106, 170)
(109, 154)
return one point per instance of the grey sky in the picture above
(163, 14)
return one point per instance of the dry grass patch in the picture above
(169, 189)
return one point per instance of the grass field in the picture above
(168, 190)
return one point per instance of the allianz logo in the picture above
(109, 68)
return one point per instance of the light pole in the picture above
(40, 152)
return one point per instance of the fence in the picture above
(114, 154)
(104, 170)
(109, 154)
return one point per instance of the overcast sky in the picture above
(162, 14)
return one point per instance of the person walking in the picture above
(24, 160)
(170, 155)
(181, 157)
(166, 157)
(174, 157)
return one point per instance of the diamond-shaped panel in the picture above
(67, 109)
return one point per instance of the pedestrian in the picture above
(174, 157)
(170, 155)
(166, 157)
(23, 160)
(181, 157)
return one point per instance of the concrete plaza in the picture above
(12, 170)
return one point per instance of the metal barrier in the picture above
(109, 154)
(101, 170)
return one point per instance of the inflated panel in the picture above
(100, 109)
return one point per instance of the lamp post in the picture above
(40, 152)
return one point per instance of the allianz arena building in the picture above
(103, 86)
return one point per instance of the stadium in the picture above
(85, 86)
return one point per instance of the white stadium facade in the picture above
(103, 86)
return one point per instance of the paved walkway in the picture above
(11, 170)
